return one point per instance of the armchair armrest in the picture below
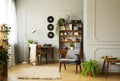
(62, 53)
(78, 57)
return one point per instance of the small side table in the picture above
(108, 61)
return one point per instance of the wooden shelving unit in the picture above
(71, 36)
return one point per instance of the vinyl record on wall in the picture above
(50, 19)
(50, 34)
(50, 27)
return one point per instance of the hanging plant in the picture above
(60, 23)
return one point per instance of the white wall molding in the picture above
(102, 29)
(95, 36)
(104, 44)
(94, 21)
(108, 52)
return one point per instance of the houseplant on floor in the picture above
(90, 68)
(71, 46)
(4, 49)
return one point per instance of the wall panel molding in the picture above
(106, 51)
(95, 35)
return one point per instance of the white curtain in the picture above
(8, 16)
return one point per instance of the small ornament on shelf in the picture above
(70, 26)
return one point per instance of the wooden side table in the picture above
(108, 61)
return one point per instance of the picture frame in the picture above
(50, 27)
(50, 19)
(50, 34)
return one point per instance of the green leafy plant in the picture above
(71, 45)
(3, 57)
(90, 68)
(30, 41)
(61, 22)
(4, 51)
(6, 29)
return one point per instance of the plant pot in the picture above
(71, 48)
(62, 28)
(89, 73)
(1, 28)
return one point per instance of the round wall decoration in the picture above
(50, 19)
(50, 27)
(50, 34)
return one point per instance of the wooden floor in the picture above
(68, 75)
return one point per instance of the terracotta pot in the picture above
(1, 27)
(90, 73)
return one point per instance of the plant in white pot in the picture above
(71, 46)
(30, 41)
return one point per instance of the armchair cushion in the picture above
(68, 60)
(72, 54)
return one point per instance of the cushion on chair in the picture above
(68, 60)
(71, 54)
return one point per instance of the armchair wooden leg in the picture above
(64, 66)
(46, 58)
(60, 67)
(79, 63)
(40, 59)
(76, 67)
(80, 67)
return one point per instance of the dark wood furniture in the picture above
(108, 61)
(74, 35)
(46, 50)
(49, 50)
(40, 54)
(70, 57)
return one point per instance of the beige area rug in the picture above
(41, 72)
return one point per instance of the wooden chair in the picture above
(70, 57)
(40, 54)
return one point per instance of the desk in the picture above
(47, 49)
(108, 61)
(51, 48)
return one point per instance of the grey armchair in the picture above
(71, 57)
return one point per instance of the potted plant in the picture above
(71, 46)
(60, 24)
(2, 63)
(3, 57)
(90, 68)
(30, 41)
(4, 50)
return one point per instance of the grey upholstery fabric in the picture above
(68, 60)
(71, 54)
